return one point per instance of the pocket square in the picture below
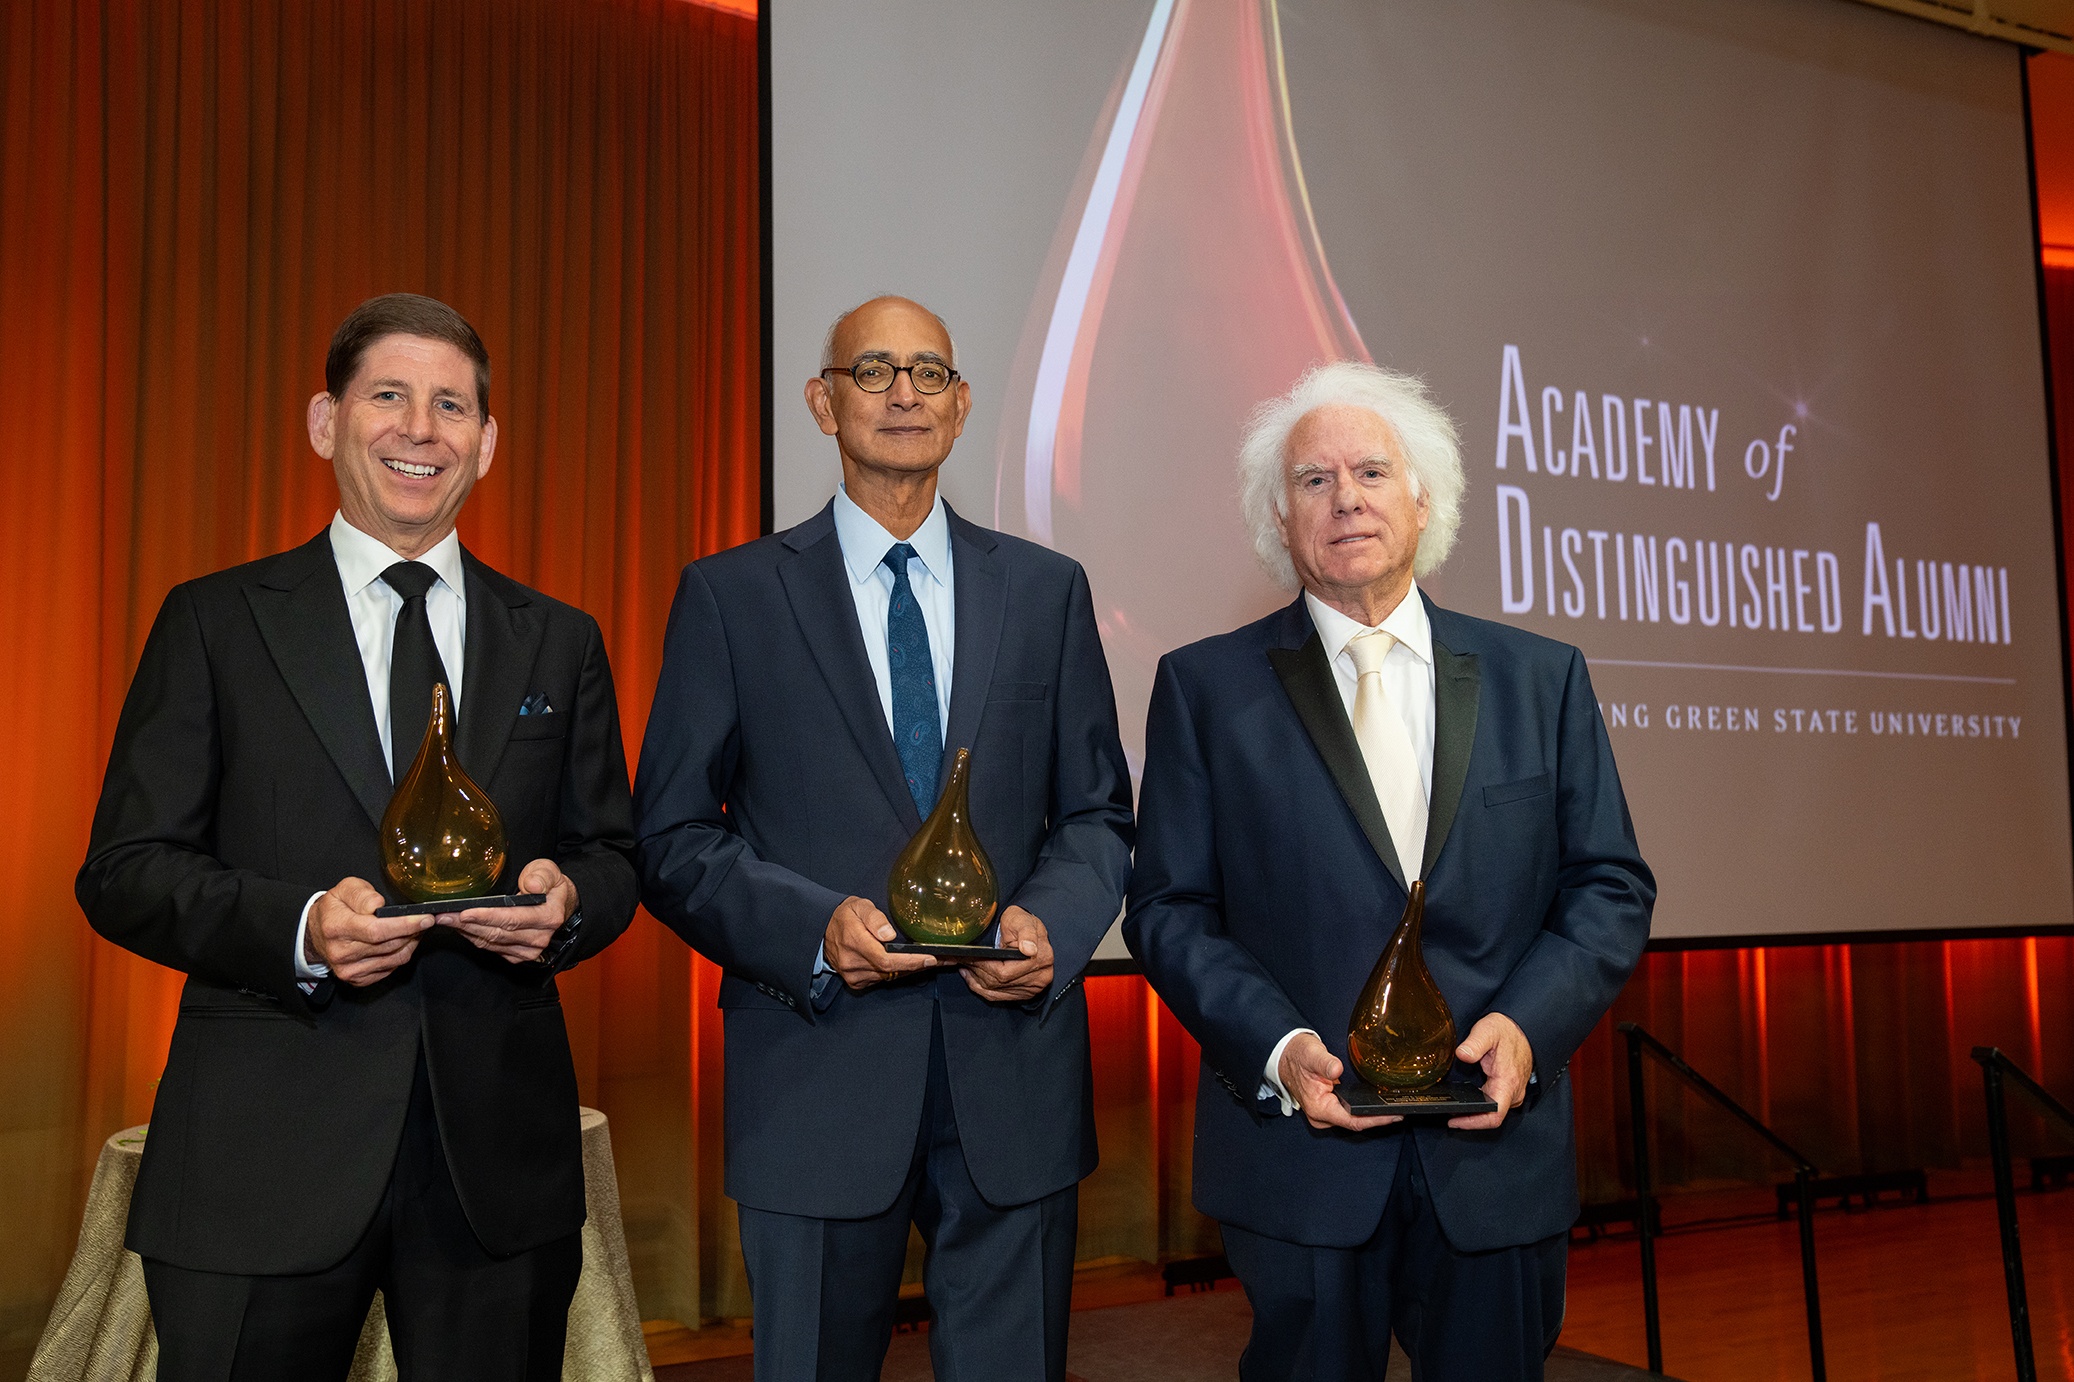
(536, 704)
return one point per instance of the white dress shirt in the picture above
(1408, 682)
(1407, 671)
(865, 542)
(373, 606)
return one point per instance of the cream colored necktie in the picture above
(1393, 765)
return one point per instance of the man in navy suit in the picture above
(1301, 772)
(815, 686)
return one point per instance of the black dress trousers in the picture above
(456, 1313)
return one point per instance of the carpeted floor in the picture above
(1189, 1338)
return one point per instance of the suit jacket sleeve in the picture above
(1175, 922)
(596, 847)
(1598, 922)
(699, 876)
(150, 882)
(1078, 883)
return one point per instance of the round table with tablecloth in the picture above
(100, 1328)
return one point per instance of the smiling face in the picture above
(900, 432)
(1353, 524)
(407, 439)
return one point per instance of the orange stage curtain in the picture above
(192, 193)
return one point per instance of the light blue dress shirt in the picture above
(865, 543)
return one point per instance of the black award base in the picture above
(460, 904)
(1444, 1100)
(954, 952)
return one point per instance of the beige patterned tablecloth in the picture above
(100, 1328)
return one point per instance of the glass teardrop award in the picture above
(941, 894)
(442, 841)
(1401, 1041)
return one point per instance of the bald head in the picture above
(840, 346)
(891, 440)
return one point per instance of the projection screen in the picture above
(1734, 303)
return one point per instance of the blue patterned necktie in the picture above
(917, 732)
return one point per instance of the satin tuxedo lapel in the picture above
(300, 609)
(1307, 677)
(1457, 682)
(981, 600)
(503, 643)
(818, 587)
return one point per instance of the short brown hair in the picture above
(402, 314)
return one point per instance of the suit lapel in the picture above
(503, 642)
(818, 587)
(1307, 677)
(1457, 679)
(300, 609)
(981, 597)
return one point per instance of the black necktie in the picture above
(414, 665)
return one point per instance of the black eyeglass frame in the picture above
(951, 375)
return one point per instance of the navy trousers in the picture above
(1328, 1313)
(456, 1314)
(999, 1278)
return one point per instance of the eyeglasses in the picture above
(877, 376)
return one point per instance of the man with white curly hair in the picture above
(1300, 774)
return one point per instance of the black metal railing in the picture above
(1640, 1042)
(1994, 1068)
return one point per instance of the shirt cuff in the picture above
(821, 988)
(1271, 1078)
(307, 973)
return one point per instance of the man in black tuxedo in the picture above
(815, 685)
(354, 1102)
(1300, 773)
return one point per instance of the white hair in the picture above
(828, 360)
(1424, 431)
